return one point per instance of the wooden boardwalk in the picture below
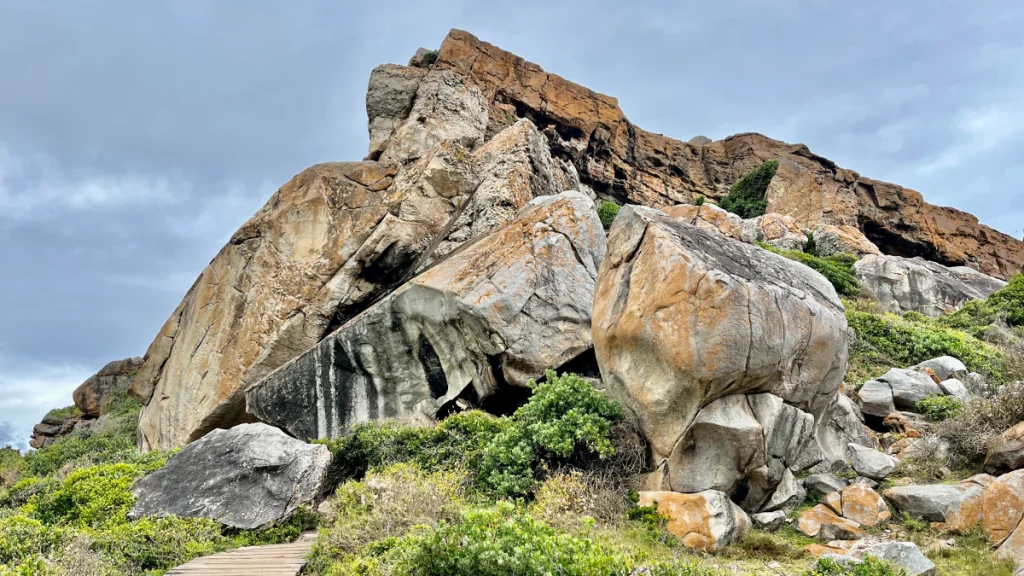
(275, 560)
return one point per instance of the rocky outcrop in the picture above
(830, 240)
(91, 396)
(957, 507)
(248, 477)
(620, 160)
(727, 355)
(902, 389)
(775, 230)
(496, 313)
(706, 521)
(917, 285)
(55, 426)
(327, 245)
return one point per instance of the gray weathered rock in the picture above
(917, 285)
(909, 387)
(955, 388)
(871, 463)
(788, 495)
(945, 367)
(248, 477)
(978, 385)
(934, 502)
(685, 318)
(823, 483)
(768, 521)
(876, 399)
(1006, 453)
(499, 312)
(840, 425)
(903, 555)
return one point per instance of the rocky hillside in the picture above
(524, 336)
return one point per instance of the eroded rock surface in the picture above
(496, 313)
(691, 330)
(92, 395)
(917, 285)
(705, 521)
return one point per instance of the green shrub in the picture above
(109, 442)
(869, 567)
(564, 417)
(22, 537)
(1004, 306)
(66, 412)
(430, 57)
(905, 341)
(747, 198)
(12, 465)
(91, 497)
(699, 201)
(607, 212)
(939, 407)
(811, 247)
(837, 269)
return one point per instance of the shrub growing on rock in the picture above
(607, 211)
(938, 407)
(837, 269)
(1005, 306)
(981, 421)
(747, 198)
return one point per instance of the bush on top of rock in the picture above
(747, 197)
(1006, 305)
(837, 268)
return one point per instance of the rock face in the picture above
(832, 240)
(247, 477)
(328, 244)
(705, 521)
(497, 313)
(91, 395)
(52, 428)
(773, 229)
(917, 285)
(724, 352)
(618, 159)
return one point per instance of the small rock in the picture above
(866, 481)
(825, 524)
(824, 483)
(788, 494)
(768, 521)
(1007, 452)
(945, 367)
(955, 388)
(871, 463)
(909, 387)
(875, 398)
(863, 505)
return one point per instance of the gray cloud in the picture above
(135, 137)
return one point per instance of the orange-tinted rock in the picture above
(619, 159)
(704, 521)
(929, 373)
(1003, 506)
(863, 505)
(822, 549)
(821, 521)
(842, 240)
(1006, 453)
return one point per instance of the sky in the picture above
(135, 137)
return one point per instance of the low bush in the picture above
(888, 339)
(607, 211)
(869, 567)
(837, 269)
(12, 465)
(747, 198)
(939, 407)
(981, 421)
(66, 412)
(1004, 306)
(699, 201)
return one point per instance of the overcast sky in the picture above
(135, 137)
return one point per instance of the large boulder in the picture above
(830, 240)
(863, 505)
(909, 387)
(824, 523)
(91, 396)
(496, 313)
(917, 285)
(691, 330)
(328, 244)
(945, 367)
(248, 477)
(706, 521)
(776, 230)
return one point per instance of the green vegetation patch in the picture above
(939, 407)
(748, 197)
(837, 269)
(1005, 306)
(66, 412)
(607, 211)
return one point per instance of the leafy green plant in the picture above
(747, 198)
(66, 412)
(607, 211)
(901, 341)
(699, 201)
(939, 407)
(429, 58)
(869, 567)
(1006, 305)
(837, 269)
(811, 247)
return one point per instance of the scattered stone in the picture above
(945, 367)
(909, 387)
(1007, 452)
(248, 477)
(824, 483)
(822, 522)
(872, 463)
(788, 495)
(917, 285)
(869, 482)
(863, 505)
(955, 388)
(876, 399)
(768, 521)
(705, 521)
(905, 555)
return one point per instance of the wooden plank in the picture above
(272, 560)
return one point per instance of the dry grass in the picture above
(982, 420)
